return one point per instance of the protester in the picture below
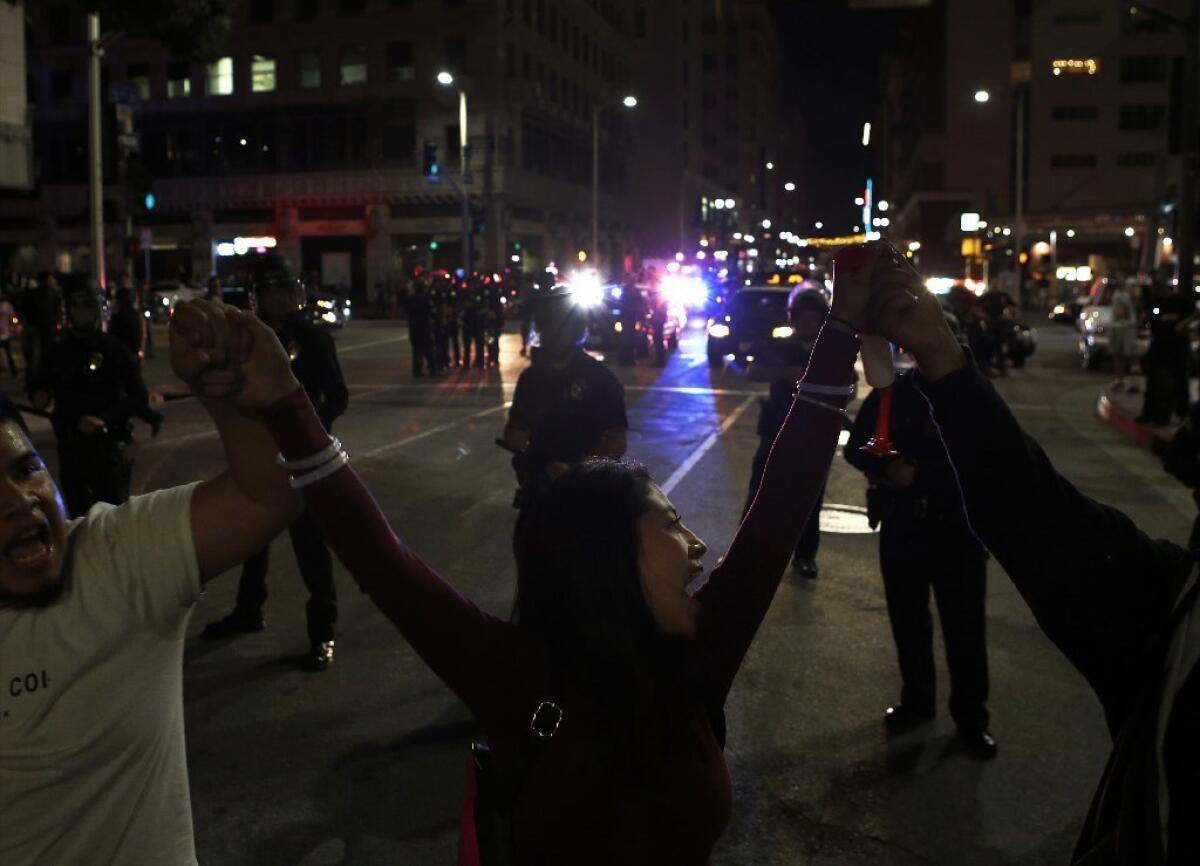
(92, 619)
(1122, 336)
(603, 702)
(1121, 607)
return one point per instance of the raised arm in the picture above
(480, 657)
(740, 590)
(1098, 586)
(242, 509)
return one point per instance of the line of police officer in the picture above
(449, 319)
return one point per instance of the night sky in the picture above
(831, 75)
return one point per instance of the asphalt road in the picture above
(363, 764)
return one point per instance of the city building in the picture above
(708, 76)
(16, 155)
(310, 133)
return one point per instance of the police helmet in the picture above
(808, 299)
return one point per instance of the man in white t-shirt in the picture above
(92, 620)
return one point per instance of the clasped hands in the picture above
(224, 353)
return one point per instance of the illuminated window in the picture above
(179, 80)
(220, 77)
(353, 68)
(308, 64)
(1076, 66)
(139, 79)
(262, 73)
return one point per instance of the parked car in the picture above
(752, 316)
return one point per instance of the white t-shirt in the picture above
(92, 762)
(1124, 314)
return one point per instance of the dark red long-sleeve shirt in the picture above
(572, 805)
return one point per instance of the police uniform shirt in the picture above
(315, 365)
(788, 352)
(91, 374)
(568, 409)
(92, 760)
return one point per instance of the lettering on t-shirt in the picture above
(21, 685)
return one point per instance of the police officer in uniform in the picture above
(315, 363)
(567, 406)
(473, 324)
(925, 542)
(96, 389)
(419, 309)
(782, 364)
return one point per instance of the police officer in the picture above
(567, 405)
(473, 324)
(493, 321)
(419, 309)
(96, 389)
(315, 363)
(925, 541)
(782, 363)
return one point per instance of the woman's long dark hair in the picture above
(578, 588)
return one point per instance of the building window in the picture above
(179, 80)
(59, 19)
(541, 17)
(401, 65)
(639, 25)
(510, 60)
(262, 11)
(61, 85)
(454, 52)
(1076, 19)
(1075, 66)
(554, 87)
(353, 66)
(553, 24)
(398, 143)
(1143, 69)
(262, 73)
(352, 7)
(1075, 112)
(527, 12)
(1135, 160)
(220, 77)
(526, 66)
(575, 40)
(1073, 160)
(400, 5)
(306, 10)
(139, 78)
(1141, 118)
(308, 67)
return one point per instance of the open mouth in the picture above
(30, 549)
(696, 581)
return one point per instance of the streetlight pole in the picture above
(1019, 231)
(95, 150)
(446, 79)
(628, 102)
(1185, 242)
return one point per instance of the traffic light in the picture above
(429, 160)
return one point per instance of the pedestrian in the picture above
(1167, 390)
(1122, 335)
(125, 325)
(524, 298)
(93, 614)
(8, 324)
(925, 542)
(493, 322)
(782, 364)
(1121, 607)
(451, 349)
(96, 389)
(567, 406)
(420, 329)
(437, 306)
(380, 300)
(315, 365)
(603, 701)
(41, 321)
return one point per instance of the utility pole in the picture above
(95, 150)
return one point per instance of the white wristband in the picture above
(320, 474)
(326, 454)
(827, 390)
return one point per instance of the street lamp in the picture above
(982, 96)
(789, 186)
(629, 102)
(446, 79)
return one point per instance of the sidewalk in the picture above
(1120, 409)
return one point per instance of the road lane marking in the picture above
(442, 428)
(692, 459)
(384, 342)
